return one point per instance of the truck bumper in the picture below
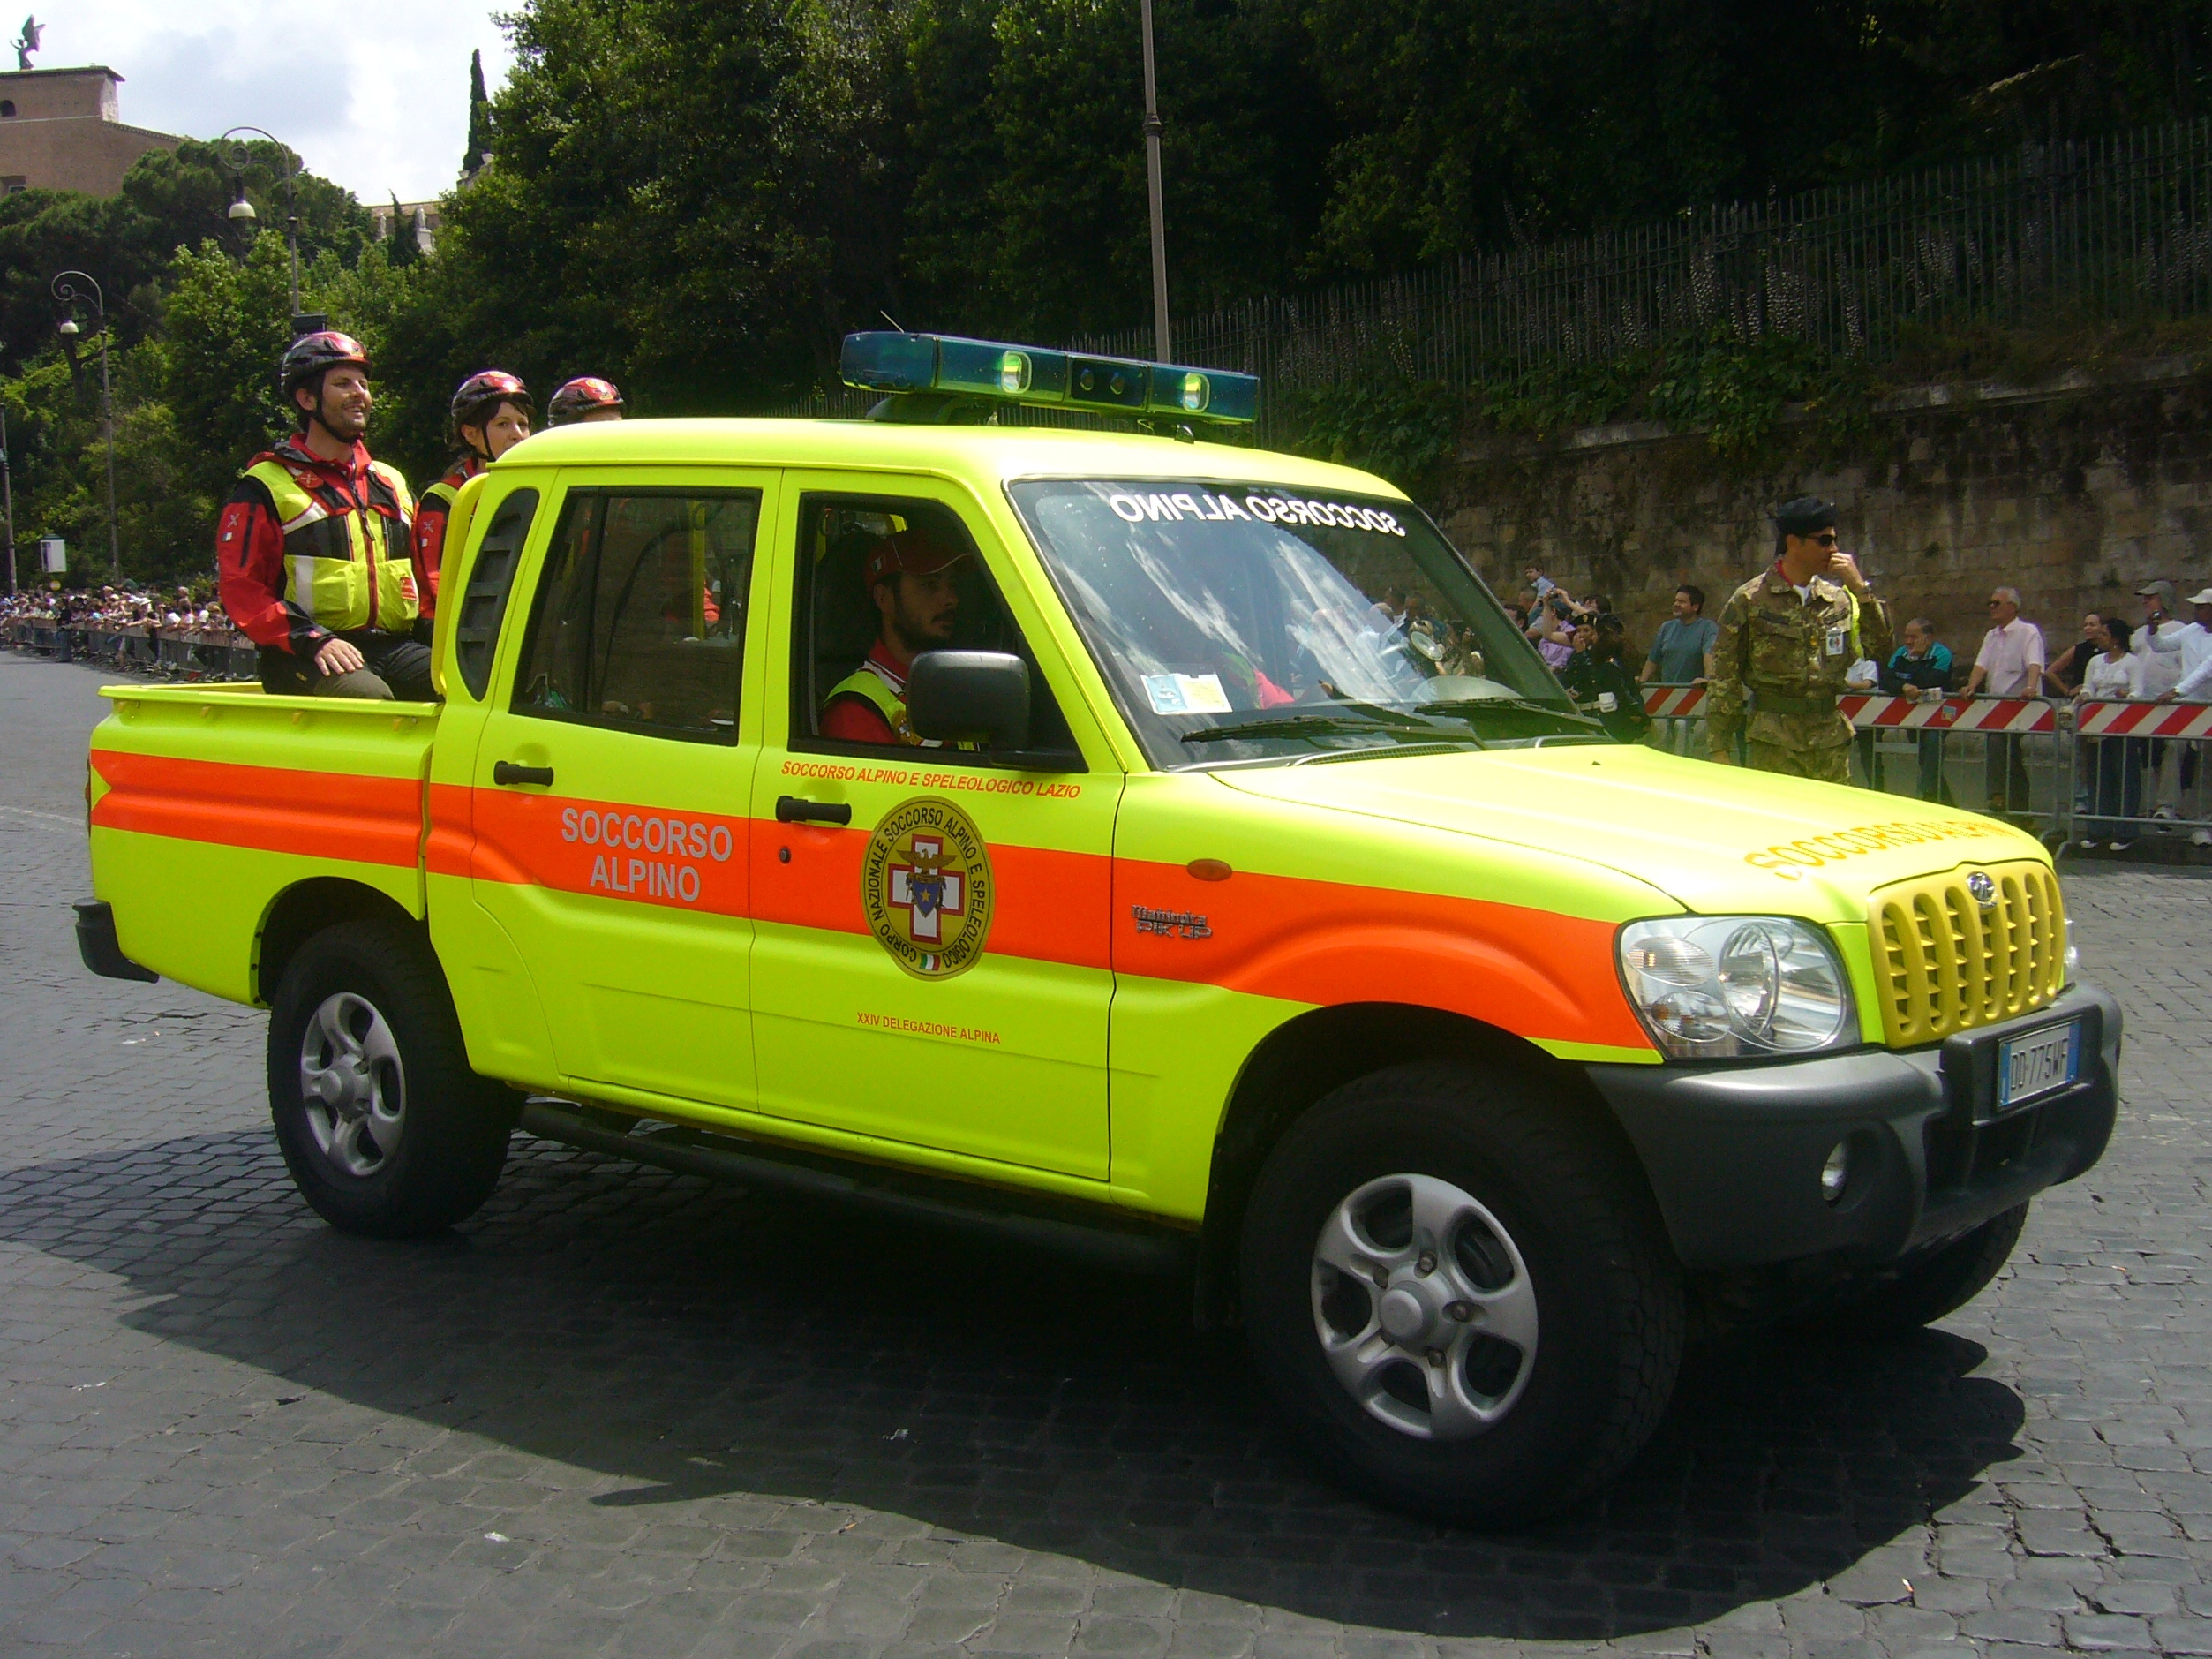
(1734, 1153)
(96, 943)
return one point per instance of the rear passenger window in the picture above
(639, 618)
(490, 574)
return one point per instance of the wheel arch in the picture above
(303, 909)
(1303, 1060)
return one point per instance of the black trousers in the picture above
(393, 665)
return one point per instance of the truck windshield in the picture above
(1236, 623)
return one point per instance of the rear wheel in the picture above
(1461, 1292)
(386, 1130)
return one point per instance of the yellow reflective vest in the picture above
(345, 567)
(865, 681)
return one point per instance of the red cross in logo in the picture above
(926, 891)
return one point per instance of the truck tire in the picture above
(1461, 1294)
(1940, 1282)
(386, 1130)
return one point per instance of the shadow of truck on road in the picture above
(700, 1344)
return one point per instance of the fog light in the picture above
(2073, 963)
(1836, 1172)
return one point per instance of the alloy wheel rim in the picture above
(352, 1085)
(1424, 1307)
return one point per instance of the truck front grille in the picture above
(1948, 963)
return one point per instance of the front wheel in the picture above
(1461, 1292)
(1942, 1281)
(386, 1130)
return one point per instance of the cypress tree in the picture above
(479, 118)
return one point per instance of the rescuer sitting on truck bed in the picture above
(489, 415)
(315, 545)
(911, 578)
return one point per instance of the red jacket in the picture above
(431, 514)
(250, 549)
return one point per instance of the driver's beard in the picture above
(319, 418)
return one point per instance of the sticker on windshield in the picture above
(1187, 694)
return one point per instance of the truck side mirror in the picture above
(956, 695)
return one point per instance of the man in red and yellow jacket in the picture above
(315, 546)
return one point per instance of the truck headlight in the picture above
(1730, 987)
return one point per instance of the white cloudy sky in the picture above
(375, 95)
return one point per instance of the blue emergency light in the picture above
(944, 370)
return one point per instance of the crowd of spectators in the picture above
(185, 609)
(124, 625)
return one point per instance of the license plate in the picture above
(2028, 1067)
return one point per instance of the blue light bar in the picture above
(969, 369)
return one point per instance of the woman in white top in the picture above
(2115, 675)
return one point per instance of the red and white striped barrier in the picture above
(1873, 711)
(2146, 720)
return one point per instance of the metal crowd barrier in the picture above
(167, 653)
(2007, 754)
(2105, 775)
(2137, 772)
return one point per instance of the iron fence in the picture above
(2118, 226)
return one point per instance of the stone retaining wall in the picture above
(2074, 494)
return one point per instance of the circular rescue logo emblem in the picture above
(925, 888)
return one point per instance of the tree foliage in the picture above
(697, 198)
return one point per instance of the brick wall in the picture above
(2074, 493)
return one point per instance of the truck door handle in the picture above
(792, 809)
(506, 772)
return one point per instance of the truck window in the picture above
(491, 574)
(850, 546)
(639, 617)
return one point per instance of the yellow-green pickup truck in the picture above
(1054, 833)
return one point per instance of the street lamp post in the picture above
(7, 489)
(64, 287)
(241, 210)
(1152, 179)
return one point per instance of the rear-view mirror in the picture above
(970, 696)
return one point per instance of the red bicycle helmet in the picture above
(307, 356)
(581, 397)
(480, 395)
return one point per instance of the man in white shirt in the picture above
(2158, 644)
(2009, 664)
(2194, 685)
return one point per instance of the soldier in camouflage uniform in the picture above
(1788, 638)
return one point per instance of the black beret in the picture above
(1804, 516)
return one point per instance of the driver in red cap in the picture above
(912, 579)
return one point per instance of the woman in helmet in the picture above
(587, 397)
(491, 415)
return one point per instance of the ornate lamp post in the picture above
(65, 290)
(241, 210)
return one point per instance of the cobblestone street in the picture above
(623, 1411)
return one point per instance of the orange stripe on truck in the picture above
(1531, 972)
(1051, 906)
(269, 809)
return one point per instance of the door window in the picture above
(883, 579)
(639, 621)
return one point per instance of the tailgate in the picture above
(207, 802)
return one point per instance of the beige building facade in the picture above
(60, 130)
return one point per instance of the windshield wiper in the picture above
(1322, 726)
(1466, 708)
